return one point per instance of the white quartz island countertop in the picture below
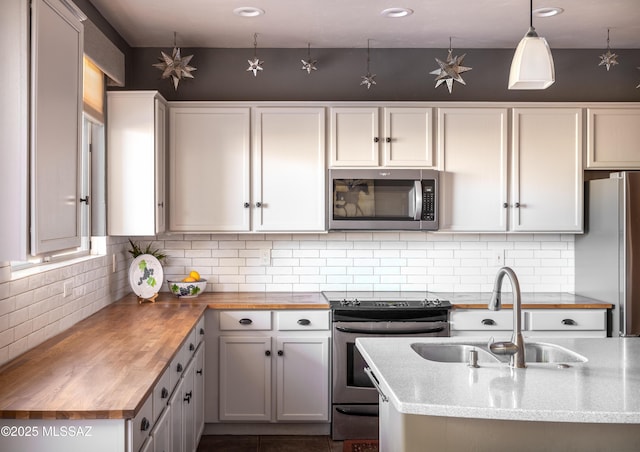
(603, 390)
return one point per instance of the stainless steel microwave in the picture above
(383, 199)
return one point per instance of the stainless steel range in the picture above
(373, 314)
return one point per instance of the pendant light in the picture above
(532, 65)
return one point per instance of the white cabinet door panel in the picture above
(354, 137)
(209, 169)
(473, 151)
(547, 170)
(408, 137)
(289, 169)
(613, 138)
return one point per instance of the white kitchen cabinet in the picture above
(273, 366)
(198, 394)
(473, 151)
(613, 137)
(176, 413)
(136, 138)
(209, 169)
(245, 378)
(289, 169)
(574, 323)
(188, 409)
(546, 170)
(406, 139)
(161, 432)
(56, 126)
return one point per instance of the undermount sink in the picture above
(535, 352)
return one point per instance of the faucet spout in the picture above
(515, 348)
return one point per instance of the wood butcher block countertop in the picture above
(105, 366)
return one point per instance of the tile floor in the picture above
(241, 443)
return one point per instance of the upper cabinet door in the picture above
(354, 137)
(289, 169)
(56, 126)
(209, 169)
(473, 151)
(136, 135)
(613, 138)
(408, 137)
(547, 188)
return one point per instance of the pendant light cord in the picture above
(530, 13)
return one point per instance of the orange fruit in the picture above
(189, 279)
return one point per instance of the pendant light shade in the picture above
(532, 65)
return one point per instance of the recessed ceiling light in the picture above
(396, 12)
(248, 11)
(548, 11)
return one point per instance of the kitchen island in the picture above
(448, 406)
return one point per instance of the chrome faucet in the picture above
(515, 348)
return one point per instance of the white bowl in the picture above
(187, 289)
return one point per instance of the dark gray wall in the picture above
(402, 75)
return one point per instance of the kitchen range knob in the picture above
(488, 322)
(145, 424)
(245, 321)
(164, 393)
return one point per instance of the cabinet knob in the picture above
(258, 204)
(192, 347)
(376, 139)
(145, 424)
(179, 367)
(304, 322)
(199, 372)
(246, 205)
(517, 205)
(505, 205)
(267, 353)
(201, 331)
(245, 321)
(569, 322)
(280, 352)
(160, 204)
(388, 140)
(164, 393)
(488, 322)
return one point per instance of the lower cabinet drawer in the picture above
(481, 320)
(302, 320)
(142, 424)
(567, 320)
(161, 393)
(245, 320)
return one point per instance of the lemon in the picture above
(189, 279)
(195, 275)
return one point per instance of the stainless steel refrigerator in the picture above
(607, 255)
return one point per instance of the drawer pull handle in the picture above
(187, 397)
(145, 424)
(179, 367)
(569, 322)
(192, 347)
(164, 393)
(488, 322)
(201, 331)
(304, 322)
(245, 321)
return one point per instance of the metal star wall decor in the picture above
(309, 64)
(608, 58)
(368, 79)
(450, 70)
(255, 65)
(175, 66)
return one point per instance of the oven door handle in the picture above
(355, 412)
(391, 332)
(376, 383)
